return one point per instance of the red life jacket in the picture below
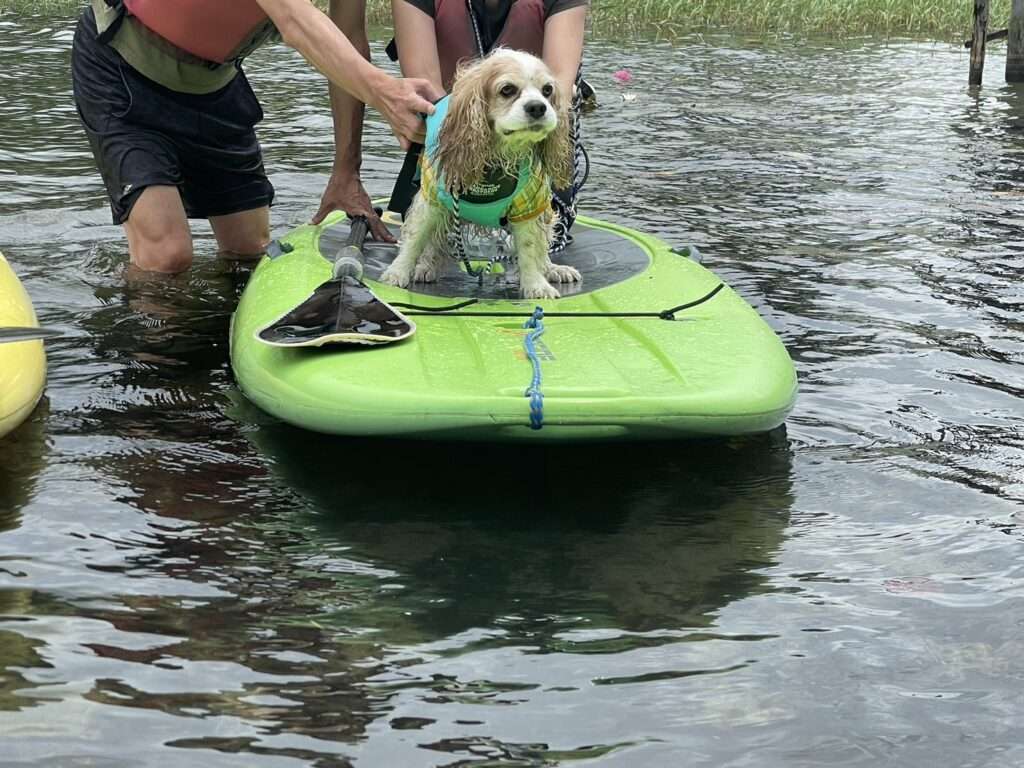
(456, 39)
(214, 30)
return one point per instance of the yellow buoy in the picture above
(22, 363)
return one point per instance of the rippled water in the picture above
(183, 582)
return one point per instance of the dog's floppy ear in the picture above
(555, 153)
(465, 143)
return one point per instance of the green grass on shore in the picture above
(937, 19)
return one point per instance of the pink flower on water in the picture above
(623, 76)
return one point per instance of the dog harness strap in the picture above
(212, 30)
(457, 41)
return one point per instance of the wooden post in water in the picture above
(1015, 44)
(978, 47)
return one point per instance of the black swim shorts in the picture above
(143, 134)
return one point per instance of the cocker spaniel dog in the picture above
(494, 147)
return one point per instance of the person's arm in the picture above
(314, 35)
(417, 42)
(345, 189)
(563, 45)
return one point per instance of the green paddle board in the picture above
(612, 362)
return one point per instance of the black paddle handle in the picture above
(357, 232)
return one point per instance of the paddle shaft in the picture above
(349, 261)
(348, 265)
(11, 335)
(357, 232)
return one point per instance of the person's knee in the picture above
(247, 245)
(159, 238)
(168, 254)
(243, 235)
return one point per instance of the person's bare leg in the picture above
(242, 235)
(159, 239)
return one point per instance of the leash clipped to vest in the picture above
(458, 242)
(564, 201)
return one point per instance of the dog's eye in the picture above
(508, 90)
(547, 90)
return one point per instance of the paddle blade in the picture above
(340, 311)
(11, 335)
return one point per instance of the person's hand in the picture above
(345, 192)
(403, 101)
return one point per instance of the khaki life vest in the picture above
(192, 46)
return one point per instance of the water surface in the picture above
(184, 582)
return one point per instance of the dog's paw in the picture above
(425, 273)
(562, 273)
(397, 277)
(539, 289)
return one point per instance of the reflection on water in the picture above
(664, 546)
(183, 581)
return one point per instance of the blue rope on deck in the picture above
(536, 326)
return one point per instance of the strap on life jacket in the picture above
(108, 19)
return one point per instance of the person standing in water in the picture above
(170, 115)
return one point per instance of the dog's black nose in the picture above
(535, 109)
